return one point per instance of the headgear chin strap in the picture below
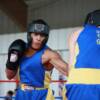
(93, 18)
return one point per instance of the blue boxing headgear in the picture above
(93, 18)
(38, 26)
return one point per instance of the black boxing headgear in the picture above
(38, 26)
(93, 18)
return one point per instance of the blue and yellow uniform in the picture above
(34, 79)
(84, 76)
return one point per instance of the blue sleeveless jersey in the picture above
(32, 70)
(84, 76)
(89, 48)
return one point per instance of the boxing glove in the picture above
(15, 52)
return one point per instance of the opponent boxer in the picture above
(84, 75)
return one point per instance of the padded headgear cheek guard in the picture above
(38, 26)
(93, 18)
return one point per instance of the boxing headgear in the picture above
(38, 26)
(93, 18)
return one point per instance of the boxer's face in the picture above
(37, 40)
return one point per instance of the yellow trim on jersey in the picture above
(18, 75)
(50, 95)
(64, 93)
(84, 75)
(76, 53)
(47, 79)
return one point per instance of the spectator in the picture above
(9, 95)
